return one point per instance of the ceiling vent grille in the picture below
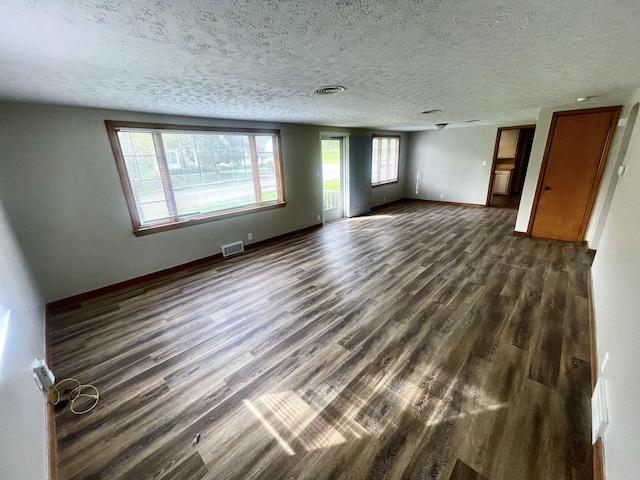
(329, 90)
(232, 249)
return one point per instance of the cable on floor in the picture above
(78, 395)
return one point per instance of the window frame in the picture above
(139, 228)
(396, 178)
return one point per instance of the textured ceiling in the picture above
(497, 61)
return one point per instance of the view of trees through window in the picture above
(189, 173)
(384, 161)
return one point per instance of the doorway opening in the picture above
(510, 161)
(333, 177)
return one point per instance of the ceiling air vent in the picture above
(328, 90)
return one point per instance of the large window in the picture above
(384, 162)
(180, 175)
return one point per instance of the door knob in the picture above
(546, 188)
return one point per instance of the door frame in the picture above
(495, 156)
(601, 163)
(522, 159)
(344, 171)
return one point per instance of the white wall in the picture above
(610, 179)
(535, 163)
(22, 405)
(616, 285)
(63, 196)
(447, 165)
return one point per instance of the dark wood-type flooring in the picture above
(506, 201)
(421, 342)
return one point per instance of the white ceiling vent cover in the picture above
(232, 248)
(329, 90)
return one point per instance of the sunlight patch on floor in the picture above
(288, 418)
(285, 446)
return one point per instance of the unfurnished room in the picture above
(337, 239)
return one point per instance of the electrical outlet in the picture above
(384, 199)
(484, 163)
(250, 236)
(442, 195)
(318, 217)
(43, 376)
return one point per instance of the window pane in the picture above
(267, 167)
(376, 161)
(197, 187)
(144, 176)
(384, 159)
(152, 211)
(176, 174)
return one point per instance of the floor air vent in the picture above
(232, 248)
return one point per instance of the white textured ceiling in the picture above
(497, 61)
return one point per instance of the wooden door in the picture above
(571, 169)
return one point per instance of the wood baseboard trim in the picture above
(388, 204)
(598, 448)
(590, 251)
(53, 443)
(132, 282)
(520, 234)
(592, 331)
(284, 236)
(459, 204)
(52, 450)
(150, 277)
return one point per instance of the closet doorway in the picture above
(510, 161)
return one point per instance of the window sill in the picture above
(236, 212)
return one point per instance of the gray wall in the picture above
(446, 165)
(22, 405)
(63, 195)
(616, 288)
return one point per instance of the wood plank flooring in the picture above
(505, 201)
(422, 341)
